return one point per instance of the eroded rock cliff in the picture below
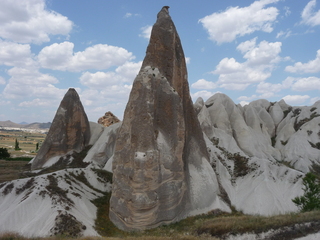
(161, 170)
(70, 131)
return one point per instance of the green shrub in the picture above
(311, 199)
(4, 153)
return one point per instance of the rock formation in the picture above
(102, 150)
(70, 131)
(108, 119)
(161, 170)
(57, 203)
(247, 154)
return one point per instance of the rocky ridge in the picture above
(70, 131)
(212, 155)
(161, 164)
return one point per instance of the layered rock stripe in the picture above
(70, 131)
(160, 138)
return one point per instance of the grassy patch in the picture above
(297, 124)
(103, 225)
(103, 174)
(27, 141)
(11, 170)
(209, 226)
(254, 224)
(25, 159)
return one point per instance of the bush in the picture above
(311, 199)
(4, 153)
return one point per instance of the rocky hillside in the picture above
(169, 158)
(36, 125)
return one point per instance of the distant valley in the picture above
(31, 126)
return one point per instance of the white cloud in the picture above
(247, 99)
(111, 87)
(15, 54)
(260, 61)
(287, 11)
(188, 60)
(123, 74)
(312, 66)
(98, 79)
(101, 56)
(247, 46)
(112, 98)
(28, 21)
(235, 86)
(204, 84)
(315, 99)
(235, 22)
(36, 103)
(265, 53)
(2, 81)
(128, 71)
(266, 88)
(284, 34)
(30, 82)
(295, 99)
(306, 84)
(243, 103)
(309, 16)
(146, 32)
(128, 15)
(203, 94)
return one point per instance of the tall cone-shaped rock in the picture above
(70, 131)
(160, 147)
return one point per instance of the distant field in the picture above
(27, 142)
(11, 170)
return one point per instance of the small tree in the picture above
(16, 146)
(4, 153)
(37, 146)
(311, 197)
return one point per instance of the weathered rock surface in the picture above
(251, 147)
(50, 204)
(102, 150)
(108, 119)
(161, 170)
(70, 131)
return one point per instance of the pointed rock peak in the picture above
(160, 149)
(108, 119)
(69, 131)
(164, 12)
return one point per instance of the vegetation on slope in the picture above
(213, 226)
(311, 198)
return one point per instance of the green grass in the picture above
(26, 159)
(210, 226)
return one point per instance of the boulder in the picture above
(108, 119)
(161, 170)
(70, 131)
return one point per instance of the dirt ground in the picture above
(27, 142)
(10, 170)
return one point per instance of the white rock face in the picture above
(96, 131)
(31, 206)
(250, 149)
(103, 148)
(249, 145)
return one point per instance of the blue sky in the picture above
(246, 49)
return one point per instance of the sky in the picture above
(248, 50)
